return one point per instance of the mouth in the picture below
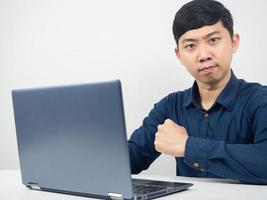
(207, 69)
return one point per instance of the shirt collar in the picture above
(229, 93)
(192, 96)
(226, 98)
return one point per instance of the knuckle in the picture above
(167, 121)
(157, 145)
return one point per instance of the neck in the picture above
(209, 92)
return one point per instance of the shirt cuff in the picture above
(196, 153)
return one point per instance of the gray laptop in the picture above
(72, 139)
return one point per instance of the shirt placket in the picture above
(204, 128)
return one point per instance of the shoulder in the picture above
(178, 96)
(254, 94)
(174, 100)
(253, 90)
(259, 95)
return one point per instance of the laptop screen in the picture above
(73, 138)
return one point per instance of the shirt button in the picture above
(196, 164)
(205, 114)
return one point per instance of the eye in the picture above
(190, 46)
(214, 40)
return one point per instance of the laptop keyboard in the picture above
(145, 189)
(149, 189)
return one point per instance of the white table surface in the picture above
(11, 188)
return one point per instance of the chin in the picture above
(210, 80)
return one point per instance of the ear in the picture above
(235, 42)
(177, 53)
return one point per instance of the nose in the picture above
(203, 53)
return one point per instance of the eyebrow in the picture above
(211, 34)
(205, 37)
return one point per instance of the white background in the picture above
(57, 42)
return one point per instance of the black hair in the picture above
(198, 13)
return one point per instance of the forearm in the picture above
(139, 160)
(244, 162)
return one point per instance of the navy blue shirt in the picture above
(229, 140)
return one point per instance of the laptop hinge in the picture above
(115, 196)
(34, 186)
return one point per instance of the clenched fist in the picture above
(171, 139)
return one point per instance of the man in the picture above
(218, 127)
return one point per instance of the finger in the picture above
(156, 135)
(172, 123)
(169, 122)
(160, 126)
(157, 146)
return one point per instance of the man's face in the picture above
(207, 53)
